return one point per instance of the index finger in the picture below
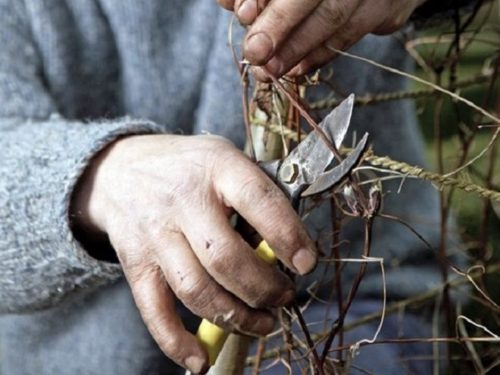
(264, 206)
(272, 27)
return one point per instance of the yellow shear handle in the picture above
(211, 336)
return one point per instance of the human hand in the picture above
(164, 201)
(294, 36)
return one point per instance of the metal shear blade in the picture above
(302, 173)
(312, 156)
(335, 175)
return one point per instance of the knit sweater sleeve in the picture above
(42, 156)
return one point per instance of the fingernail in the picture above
(304, 261)
(247, 12)
(258, 48)
(195, 364)
(275, 66)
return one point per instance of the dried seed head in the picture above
(351, 200)
(375, 198)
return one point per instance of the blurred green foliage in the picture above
(456, 120)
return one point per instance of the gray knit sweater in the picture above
(77, 74)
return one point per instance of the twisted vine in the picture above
(402, 167)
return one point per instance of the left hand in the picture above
(294, 36)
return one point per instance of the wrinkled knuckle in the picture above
(129, 247)
(168, 344)
(276, 17)
(136, 265)
(335, 12)
(256, 189)
(191, 290)
(217, 260)
(225, 157)
(133, 275)
(129, 259)
(292, 53)
(248, 188)
(221, 154)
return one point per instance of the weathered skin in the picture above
(293, 36)
(165, 201)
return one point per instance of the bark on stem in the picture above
(268, 107)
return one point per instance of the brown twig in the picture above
(305, 115)
(371, 99)
(395, 307)
(310, 343)
(352, 292)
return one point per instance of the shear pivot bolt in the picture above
(288, 173)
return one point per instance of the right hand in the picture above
(164, 201)
(293, 36)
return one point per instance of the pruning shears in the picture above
(308, 170)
